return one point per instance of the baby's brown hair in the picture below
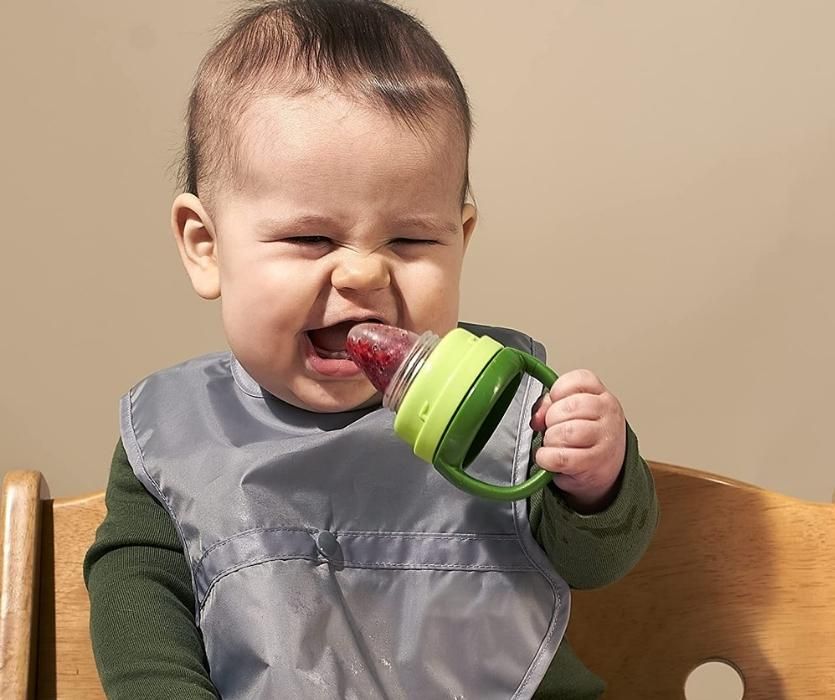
(366, 49)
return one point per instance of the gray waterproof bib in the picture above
(327, 560)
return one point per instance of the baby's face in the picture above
(341, 214)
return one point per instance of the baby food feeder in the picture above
(448, 394)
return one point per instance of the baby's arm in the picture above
(144, 637)
(593, 550)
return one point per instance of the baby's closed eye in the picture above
(414, 241)
(307, 240)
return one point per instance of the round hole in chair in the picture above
(714, 680)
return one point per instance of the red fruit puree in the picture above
(378, 350)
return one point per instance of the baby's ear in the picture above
(197, 243)
(469, 217)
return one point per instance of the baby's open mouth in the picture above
(329, 342)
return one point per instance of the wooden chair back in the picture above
(734, 573)
(45, 647)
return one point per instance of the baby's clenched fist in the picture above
(584, 440)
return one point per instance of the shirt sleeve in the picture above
(594, 550)
(145, 639)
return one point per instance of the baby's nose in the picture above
(360, 273)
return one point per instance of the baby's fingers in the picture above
(572, 433)
(572, 461)
(578, 381)
(575, 407)
(540, 408)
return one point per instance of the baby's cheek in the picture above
(437, 291)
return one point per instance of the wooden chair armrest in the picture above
(21, 522)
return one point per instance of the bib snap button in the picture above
(326, 544)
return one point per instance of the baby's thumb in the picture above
(540, 408)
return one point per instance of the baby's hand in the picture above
(585, 439)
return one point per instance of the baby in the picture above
(267, 535)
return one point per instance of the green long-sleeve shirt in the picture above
(147, 645)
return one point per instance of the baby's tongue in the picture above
(331, 339)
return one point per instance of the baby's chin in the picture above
(318, 398)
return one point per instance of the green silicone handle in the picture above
(454, 472)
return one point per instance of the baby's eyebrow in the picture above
(305, 222)
(425, 224)
(323, 224)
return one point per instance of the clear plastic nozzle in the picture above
(389, 356)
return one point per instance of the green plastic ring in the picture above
(480, 412)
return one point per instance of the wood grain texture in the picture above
(734, 573)
(66, 667)
(21, 512)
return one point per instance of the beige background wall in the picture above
(657, 190)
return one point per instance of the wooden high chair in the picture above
(45, 647)
(734, 573)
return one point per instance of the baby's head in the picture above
(325, 175)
